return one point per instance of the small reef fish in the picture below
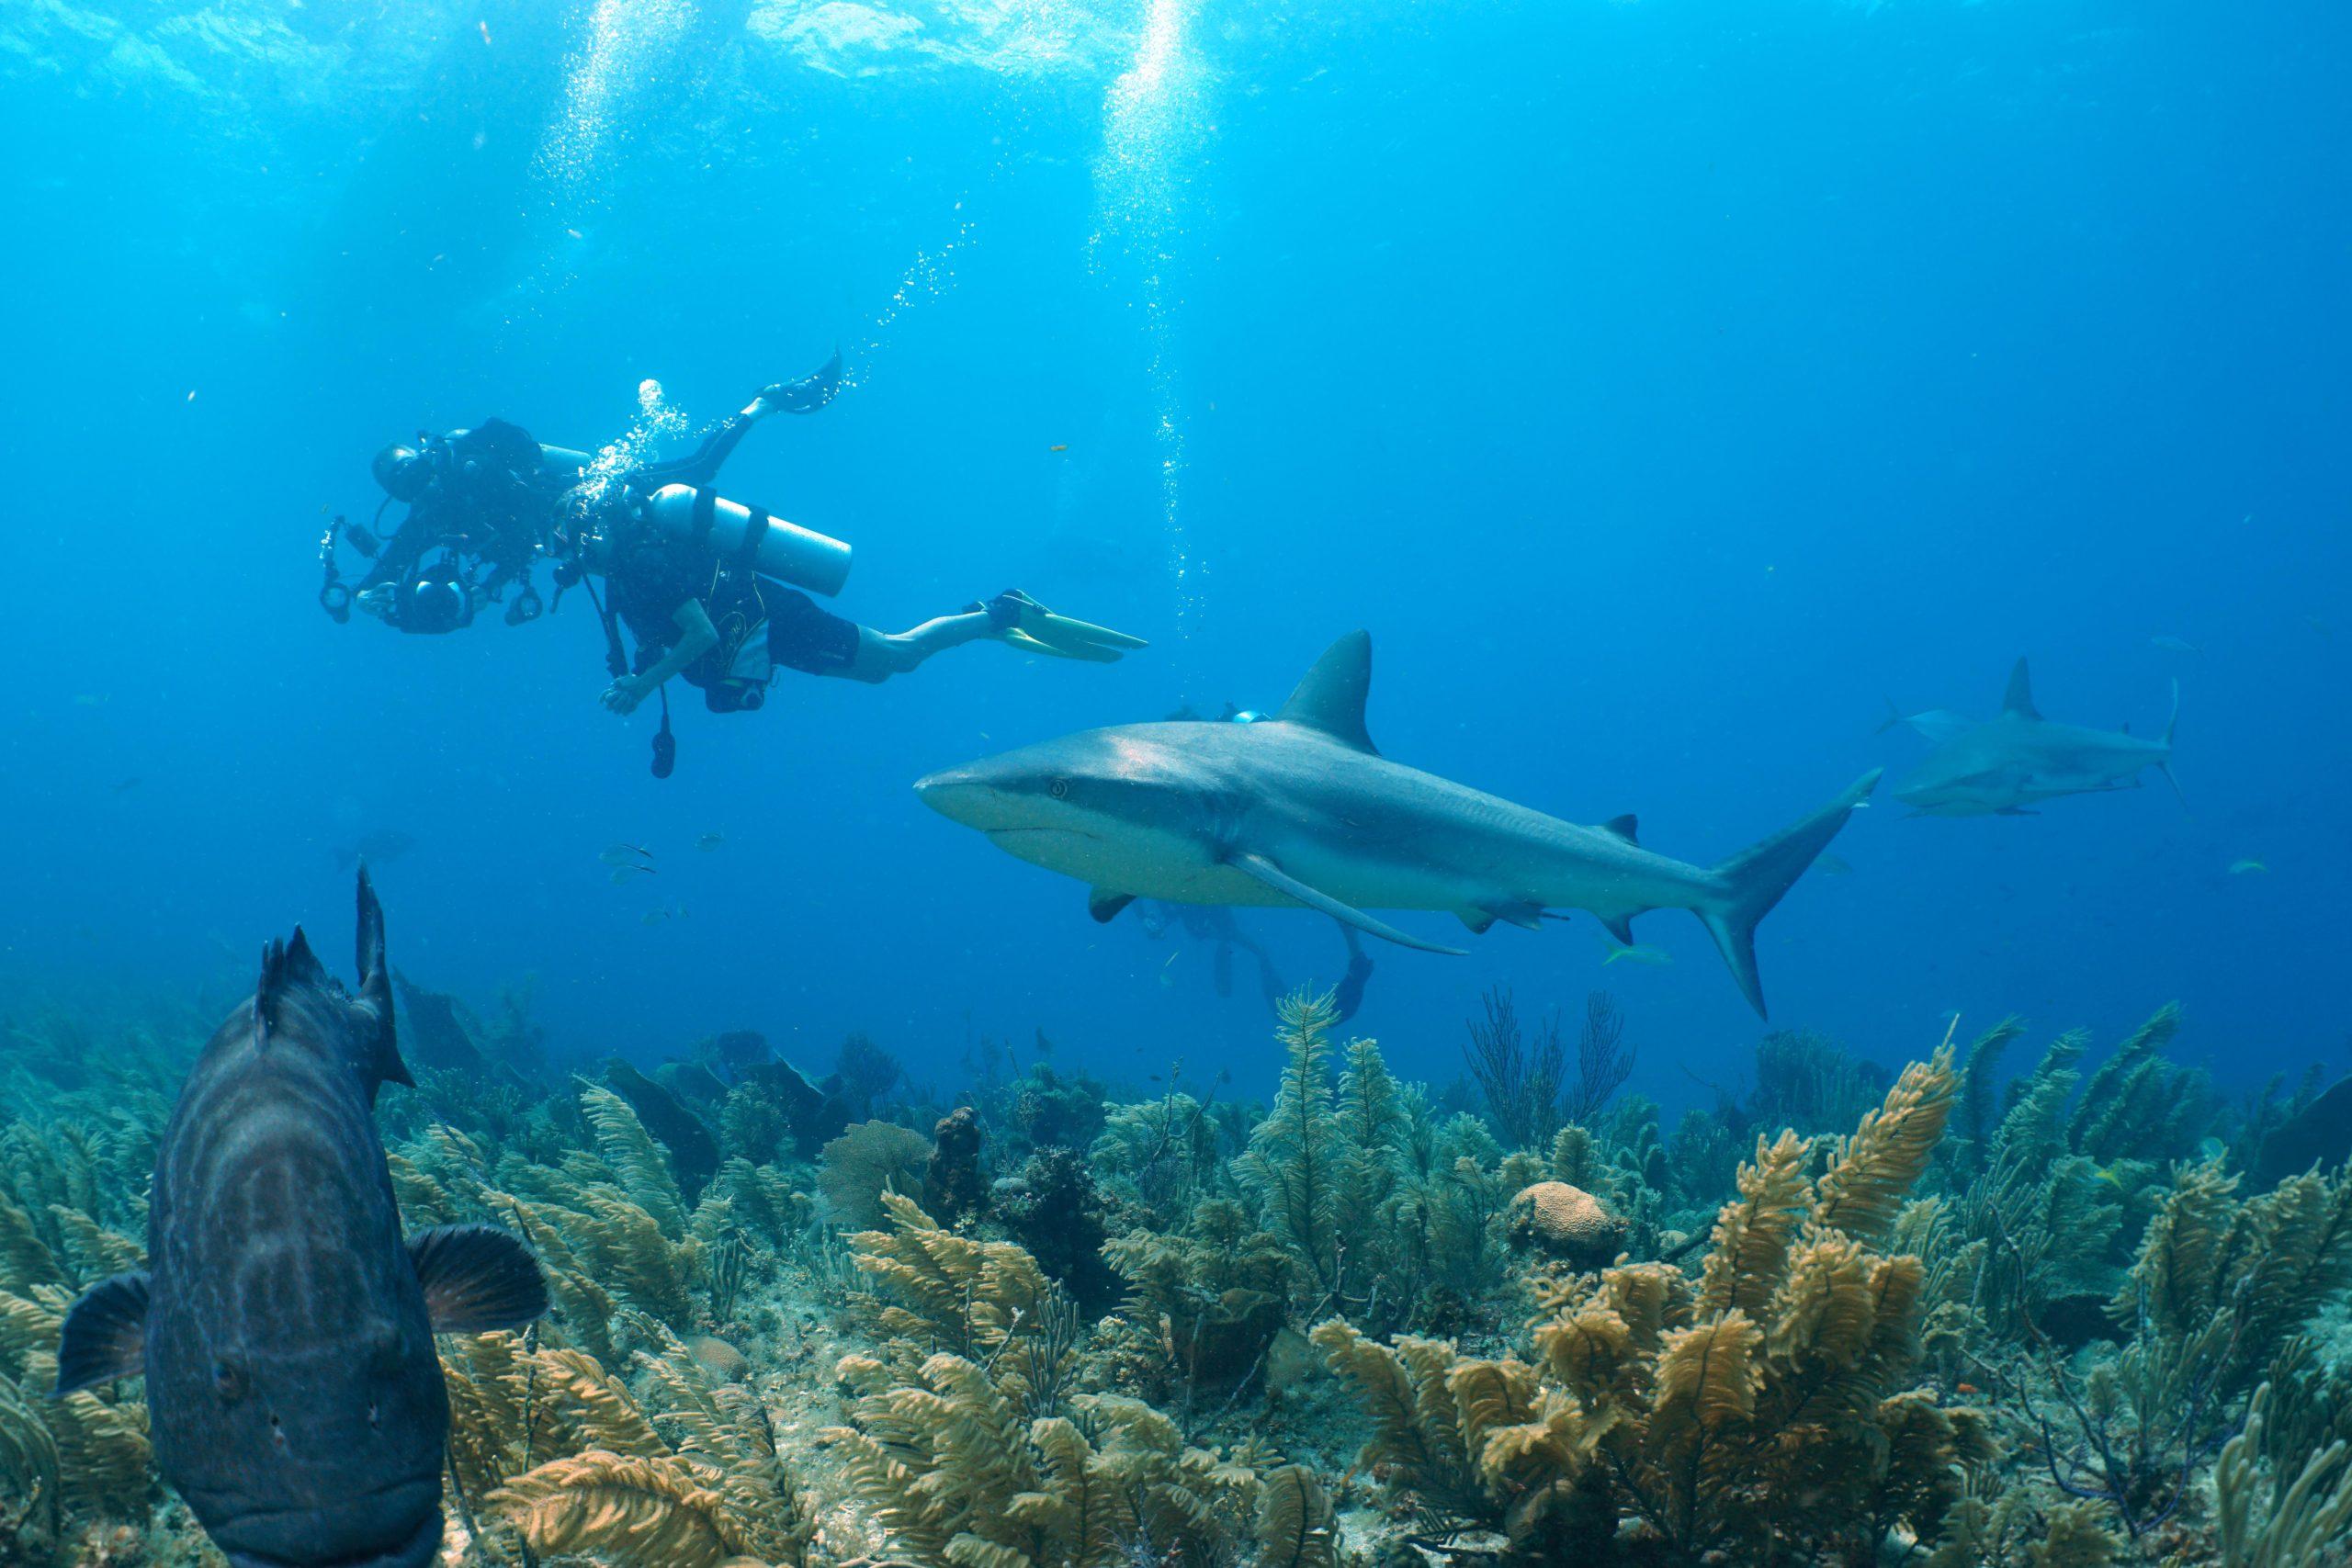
(624, 855)
(1058, 446)
(2174, 645)
(625, 873)
(283, 1327)
(1938, 725)
(1834, 866)
(709, 842)
(92, 699)
(379, 848)
(1639, 953)
(1168, 970)
(667, 912)
(2249, 867)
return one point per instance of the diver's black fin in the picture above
(1106, 905)
(105, 1334)
(812, 391)
(477, 1277)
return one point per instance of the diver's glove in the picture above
(806, 395)
(1020, 621)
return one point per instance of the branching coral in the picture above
(1293, 1166)
(2266, 1525)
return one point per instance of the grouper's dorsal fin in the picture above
(1331, 698)
(2019, 698)
(285, 966)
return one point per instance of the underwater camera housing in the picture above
(767, 544)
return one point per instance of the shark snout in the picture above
(974, 796)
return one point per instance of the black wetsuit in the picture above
(761, 625)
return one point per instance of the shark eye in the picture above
(1058, 789)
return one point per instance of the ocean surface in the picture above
(1664, 386)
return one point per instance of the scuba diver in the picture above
(1215, 922)
(708, 588)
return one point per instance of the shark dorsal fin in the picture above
(2019, 698)
(1330, 699)
(1625, 826)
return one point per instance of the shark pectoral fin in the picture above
(104, 1336)
(1291, 886)
(1106, 905)
(1479, 921)
(476, 1278)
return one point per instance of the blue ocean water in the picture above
(1662, 385)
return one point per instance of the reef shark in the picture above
(2007, 763)
(1302, 810)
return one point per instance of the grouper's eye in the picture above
(1058, 789)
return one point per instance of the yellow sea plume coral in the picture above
(961, 1480)
(29, 1466)
(635, 1157)
(565, 1454)
(1760, 1414)
(1295, 1529)
(941, 1291)
(622, 1509)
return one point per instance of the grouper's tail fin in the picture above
(1754, 880)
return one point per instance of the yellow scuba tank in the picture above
(750, 538)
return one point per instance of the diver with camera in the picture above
(709, 589)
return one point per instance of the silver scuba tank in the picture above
(749, 536)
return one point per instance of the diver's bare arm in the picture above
(696, 636)
(881, 655)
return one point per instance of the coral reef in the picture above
(1564, 1223)
(2001, 1308)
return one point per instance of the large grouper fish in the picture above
(283, 1327)
(1302, 810)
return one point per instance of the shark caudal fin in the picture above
(1754, 880)
(2172, 722)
